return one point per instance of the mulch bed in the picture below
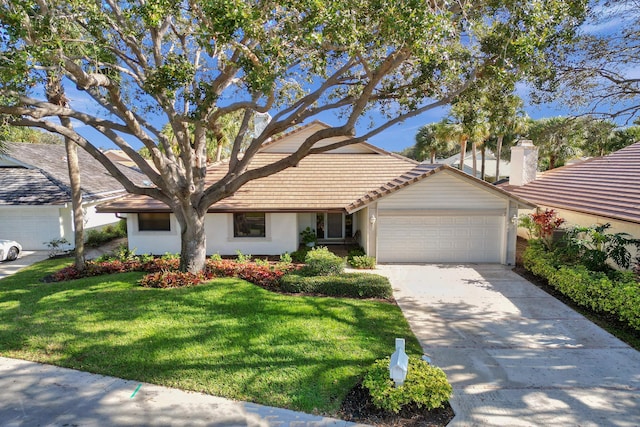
(357, 407)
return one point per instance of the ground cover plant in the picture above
(225, 337)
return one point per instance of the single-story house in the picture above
(596, 191)
(35, 194)
(397, 209)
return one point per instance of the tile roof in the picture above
(607, 186)
(20, 186)
(320, 182)
(48, 181)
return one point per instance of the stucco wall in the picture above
(281, 236)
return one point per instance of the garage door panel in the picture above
(30, 228)
(440, 238)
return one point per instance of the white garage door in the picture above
(440, 238)
(30, 227)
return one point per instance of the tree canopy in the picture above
(194, 63)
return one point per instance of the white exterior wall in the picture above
(281, 236)
(93, 219)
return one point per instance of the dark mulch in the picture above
(357, 407)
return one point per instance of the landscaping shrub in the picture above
(300, 254)
(322, 262)
(425, 385)
(541, 225)
(617, 293)
(363, 262)
(352, 285)
(97, 237)
(263, 275)
(171, 279)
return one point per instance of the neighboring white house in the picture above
(399, 210)
(35, 201)
(490, 162)
(593, 192)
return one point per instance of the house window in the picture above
(250, 224)
(154, 222)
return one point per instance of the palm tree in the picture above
(428, 144)
(557, 138)
(506, 117)
(453, 133)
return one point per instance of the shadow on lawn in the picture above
(227, 338)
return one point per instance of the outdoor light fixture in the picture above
(514, 219)
(399, 364)
(372, 220)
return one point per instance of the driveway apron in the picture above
(515, 355)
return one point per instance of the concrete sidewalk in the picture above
(32, 394)
(515, 355)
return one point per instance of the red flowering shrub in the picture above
(161, 264)
(171, 279)
(266, 276)
(67, 273)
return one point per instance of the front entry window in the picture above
(331, 225)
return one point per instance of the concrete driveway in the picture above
(515, 355)
(26, 259)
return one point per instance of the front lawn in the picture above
(226, 337)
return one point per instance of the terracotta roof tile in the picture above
(320, 182)
(608, 186)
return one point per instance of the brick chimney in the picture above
(524, 163)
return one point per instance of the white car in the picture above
(9, 250)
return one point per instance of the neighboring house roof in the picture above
(489, 163)
(37, 174)
(606, 186)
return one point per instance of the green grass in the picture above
(227, 337)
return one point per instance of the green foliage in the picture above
(97, 237)
(320, 261)
(215, 257)
(300, 254)
(363, 262)
(593, 246)
(57, 247)
(618, 293)
(426, 386)
(242, 258)
(285, 258)
(352, 285)
(308, 235)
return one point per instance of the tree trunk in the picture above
(474, 155)
(463, 153)
(552, 162)
(483, 150)
(433, 156)
(76, 196)
(193, 253)
(498, 155)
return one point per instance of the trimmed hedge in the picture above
(618, 295)
(352, 285)
(426, 386)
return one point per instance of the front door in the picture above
(331, 225)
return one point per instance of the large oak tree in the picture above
(196, 62)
